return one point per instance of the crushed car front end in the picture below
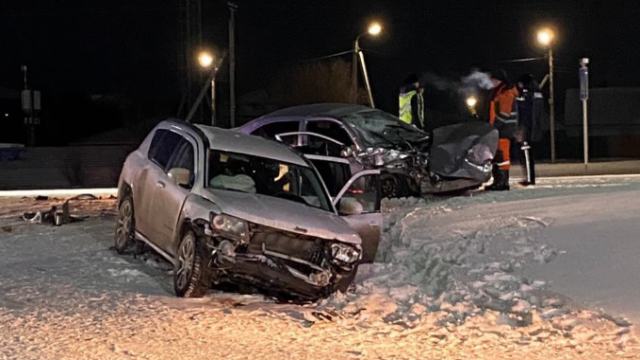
(284, 263)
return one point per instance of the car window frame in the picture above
(186, 136)
(350, 134)
(280, 121)
(172, 159)
(155, 134)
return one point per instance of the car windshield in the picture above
(378, 128)
(259, 175)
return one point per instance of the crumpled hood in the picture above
(284, 215)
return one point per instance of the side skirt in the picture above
(164, 254)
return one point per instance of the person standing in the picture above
(411, 102)
(503, 116)
(531, 113)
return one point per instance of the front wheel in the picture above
(190, 277)
(125, 226)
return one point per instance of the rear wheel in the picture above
(125, 226)
(190, 277)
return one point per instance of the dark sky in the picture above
(129, 47)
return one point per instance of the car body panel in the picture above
(283, 214)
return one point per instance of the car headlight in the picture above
(343, 254)
(230, 226)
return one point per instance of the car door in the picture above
(362, 191)
(162, 147)
(169, 196)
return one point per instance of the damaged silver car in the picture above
(227, 207)
(451, 158)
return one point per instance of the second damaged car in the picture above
(452, 158)
(227, 207)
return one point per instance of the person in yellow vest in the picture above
(411, 102)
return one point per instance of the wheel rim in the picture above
(125, 218)
(186, 255)
(389, 187)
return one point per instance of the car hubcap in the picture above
(186, 257)
(389, 187)
(124, 224)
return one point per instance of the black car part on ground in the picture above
(463, 151)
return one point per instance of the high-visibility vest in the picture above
(503, 106)
(404, 104)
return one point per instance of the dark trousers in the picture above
(525, 156)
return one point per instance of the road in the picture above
(519, 274)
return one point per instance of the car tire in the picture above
(389, 186)
(125, 225)
(190, 276)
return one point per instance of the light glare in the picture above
(375, 29)
(205, 59)
(545, 37)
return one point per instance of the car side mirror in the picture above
(350, 206)
(180, 176)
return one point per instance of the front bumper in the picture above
(284, 264)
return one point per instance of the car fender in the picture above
(195, 212)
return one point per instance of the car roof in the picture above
(333, 110)
(233, 141)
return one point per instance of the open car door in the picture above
(356, 194)
(357, 198)
(358, 203)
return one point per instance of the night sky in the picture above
(128, 48)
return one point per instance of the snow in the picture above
(538, 273)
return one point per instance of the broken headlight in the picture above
(343, 254)
(230, 227)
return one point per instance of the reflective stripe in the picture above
(504, 163)
(404, 105)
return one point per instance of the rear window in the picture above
(163, 144)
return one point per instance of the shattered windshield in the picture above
(378, 128)
(258, 175)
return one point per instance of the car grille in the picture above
(303, 247)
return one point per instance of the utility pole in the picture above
(583, 73)
(354, 72)
(552, 112)
(232, 63)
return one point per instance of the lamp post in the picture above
(471, 102)
(206, 61)
(374, 29)
(545, 38)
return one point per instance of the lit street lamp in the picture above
(471, 102)
(207, 61)
(374, 29)
(545, 38)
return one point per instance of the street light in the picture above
(206, 61)
(471, 102)
(545, 38)
(374, 29)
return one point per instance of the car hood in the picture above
(284, 215)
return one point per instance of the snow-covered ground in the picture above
(543, 272)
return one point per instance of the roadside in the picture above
(594, 167)
(457, 279)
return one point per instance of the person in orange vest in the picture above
(503, 116)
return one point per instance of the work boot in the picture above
(500, 181)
